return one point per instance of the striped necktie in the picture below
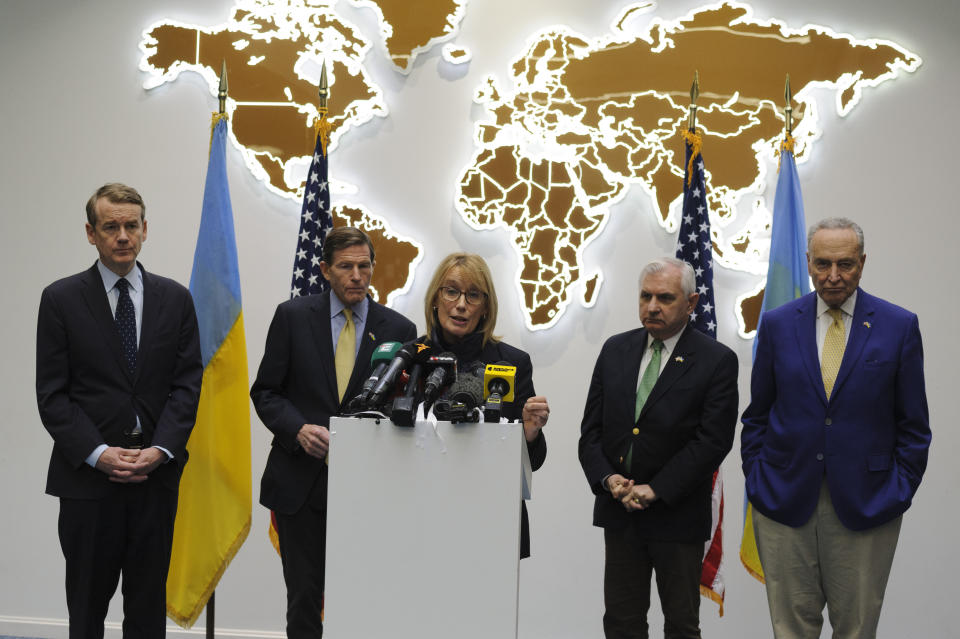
(649, 379)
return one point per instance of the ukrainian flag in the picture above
(213, 515)
(787, 279)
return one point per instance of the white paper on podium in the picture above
(423, 530)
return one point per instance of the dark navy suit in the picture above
(88, 397)
(296, 385)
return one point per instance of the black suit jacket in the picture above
(85, 393)
(297, 384)
(685, 430)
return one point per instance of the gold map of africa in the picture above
(578, 122)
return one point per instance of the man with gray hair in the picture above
(659, 418)
(834, 442)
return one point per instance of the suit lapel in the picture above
(806, 328)
(152, 305)
(630, 372)
(368, 341)
(682, 359)
(859, 333)
(95, 298)
(320, 327)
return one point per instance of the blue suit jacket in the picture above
(870, 439)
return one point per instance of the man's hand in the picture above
(129, 465)
(618, 485)
(314, 440)
(639, 497)
(535, 413)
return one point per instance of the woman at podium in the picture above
(461, 314)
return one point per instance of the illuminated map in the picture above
(274, 52)
(409, 28)
(584, 119)
(577, 122)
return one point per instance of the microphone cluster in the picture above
(404, 376)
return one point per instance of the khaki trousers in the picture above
(824, 563)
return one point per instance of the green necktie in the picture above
(649, 379)
(647, 382)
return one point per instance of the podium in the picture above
(423, 529)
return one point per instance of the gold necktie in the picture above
(833, 347)
(346, 353)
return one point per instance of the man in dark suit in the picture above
(834, 442)
(118, 382)
(316, 359)
(659, 418)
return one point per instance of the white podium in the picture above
(423, 530)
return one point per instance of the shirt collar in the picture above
(669, 343)
(134, 277)
(847, 307)
(359, 309)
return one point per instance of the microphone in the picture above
(462, 399)
(380, 361)
(401, 360)
(405, 406)
(498, 381)
(443, 374)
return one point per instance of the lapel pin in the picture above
(867, 324)
(678, 359)
(373, 337)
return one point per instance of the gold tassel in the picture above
(785, 145)
(322, 128)
(695, 140)
(214, 119)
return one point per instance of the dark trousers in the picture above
(626, 586)
(129, 532)
(302, 538)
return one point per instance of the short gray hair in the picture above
(842, 223)
(688, 280)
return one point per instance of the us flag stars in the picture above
(694, 245)
(315, 222)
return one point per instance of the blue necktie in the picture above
(126, 324)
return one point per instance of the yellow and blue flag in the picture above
(787, 279)
(213, 514)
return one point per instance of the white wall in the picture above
(74, 116)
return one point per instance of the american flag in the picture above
(315, 222)
(695, 247)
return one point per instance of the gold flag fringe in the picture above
(785, 145)
(695, 140)
(216, 116)
(322, 128)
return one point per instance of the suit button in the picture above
(621, 460)
(636, 431)
(819, 456)
(828, 421)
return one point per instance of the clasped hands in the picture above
(633, 496)
(129, 465)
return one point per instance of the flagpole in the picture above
(694, 94)
(210, 617)
(788, 111)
